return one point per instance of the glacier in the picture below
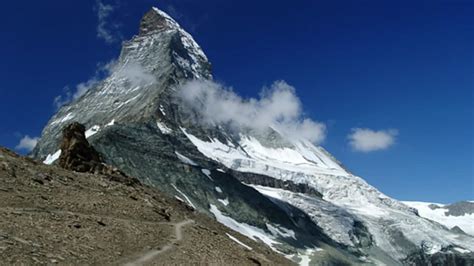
(346, 197)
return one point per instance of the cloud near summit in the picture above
(277, 107)
(134, 73)
(106, 29)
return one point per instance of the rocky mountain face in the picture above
(282, 191)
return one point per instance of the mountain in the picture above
(457, 216)
(269, 185)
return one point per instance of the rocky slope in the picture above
(51, 215)
(271, 187)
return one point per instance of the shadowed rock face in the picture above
(152, 21)
(77, 154)
(262, 180)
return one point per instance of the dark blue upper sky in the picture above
(404, 65)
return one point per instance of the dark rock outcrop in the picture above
(263, 180)
(79, 156)
(152, 21)
(76, 152)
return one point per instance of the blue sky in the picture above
(404, 67)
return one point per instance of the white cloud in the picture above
(106, 30)
(103, 70)
(277, 107)
(83, 87)
(367, 140)
(27, 143)
(134, 73)
(80, 90)
(61, 100)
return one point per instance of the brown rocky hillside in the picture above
(49, 215)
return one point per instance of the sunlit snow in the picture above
(92, 131)
(185, 159)
(111, 123)
(238, 242)
(69, 116)
(184, 195)
(250, 231)
(164, 128)
(224, 202)
(51, 158)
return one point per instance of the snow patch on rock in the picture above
(92, 131)
(69, 116)
(207, 173)
(51, 158)
(238, 241)
(164, 128)
(190, 203)
(224, 202)
(250, 231)
(185, 159)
